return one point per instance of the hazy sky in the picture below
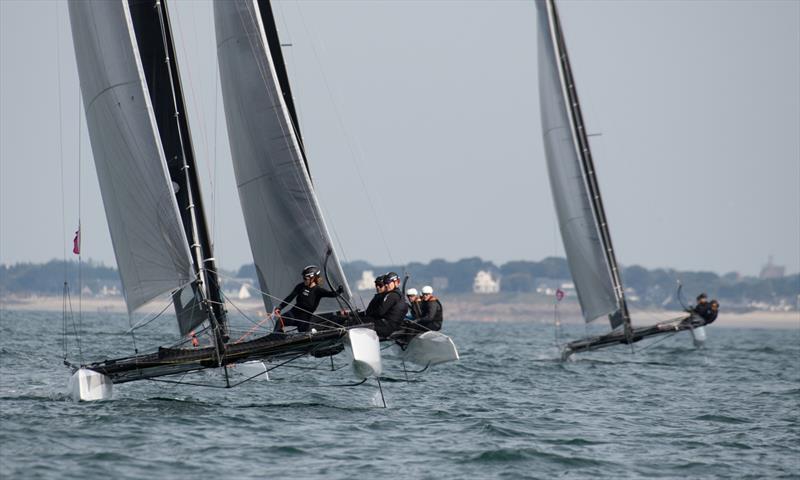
(421, 121)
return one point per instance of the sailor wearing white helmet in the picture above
(414, 304)
(431, 317)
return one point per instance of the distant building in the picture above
(771, 270)
(367, 281)
(484, 283)
(111, 291)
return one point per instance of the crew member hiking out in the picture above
(702, 304)
(307, 296)
(711, 313)
(414, 304)
(431, 317)
(377, 300)
(387, 309)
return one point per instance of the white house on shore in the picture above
(484, 283)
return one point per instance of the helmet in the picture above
(702, 296)
(427, 290)
(379, 281)
(390, 277)
(311, 271)
(412, 292)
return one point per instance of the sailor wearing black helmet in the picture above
(307, 296)
(375, 304)
(391, 308)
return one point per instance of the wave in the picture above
(503, 455)
(721, 419)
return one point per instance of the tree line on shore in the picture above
(646, 287)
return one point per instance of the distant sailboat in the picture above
(579, 206)
(147, 172)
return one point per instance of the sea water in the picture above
(508, 409)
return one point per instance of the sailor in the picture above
(711, 312)
(414, 304)
(431, 317)
(307, 296)
(375, 303)
(389, 308)
(702, 304)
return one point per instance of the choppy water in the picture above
(509, 409)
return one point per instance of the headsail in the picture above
(149, 241)
(573, 181)
(284, 221)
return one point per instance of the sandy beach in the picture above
(463, 307)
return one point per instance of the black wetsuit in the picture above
(386, 311)
(705, 311)
(374, 305)
(415, 308)
(306, 302)
(431, 317)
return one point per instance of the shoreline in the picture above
(459, 308)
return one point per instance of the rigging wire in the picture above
(348, 138)
(61, 140)
(80, 222)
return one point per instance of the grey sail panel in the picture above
(283, 219)
(577, 219)
(149, 241)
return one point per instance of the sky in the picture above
(421, 124)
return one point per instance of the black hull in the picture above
(618, 337)
(171, 361)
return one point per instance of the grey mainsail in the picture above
(573, 181)
(149, 241)
(283, 218)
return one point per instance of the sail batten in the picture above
(573, 179)
(150, 245)
(284, 221)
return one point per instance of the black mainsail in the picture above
(576, 194)
(151, 25)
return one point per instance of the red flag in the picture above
(559, 294)
(76, 242)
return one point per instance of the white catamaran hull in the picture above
(363, 347)
(429, 348)
(699, 336)
(87, 385)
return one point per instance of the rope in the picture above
(325, 321)
(144, 323)
(347, 137)
(659, 340)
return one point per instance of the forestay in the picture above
(284, 222)
(569, 168)
(149, 241)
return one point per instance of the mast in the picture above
(274, 45)
(622, 316)
(156, 46)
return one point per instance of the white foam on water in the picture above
(377, 401)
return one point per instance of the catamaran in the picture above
(146, 167)
(284, 221)
(579, 206)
